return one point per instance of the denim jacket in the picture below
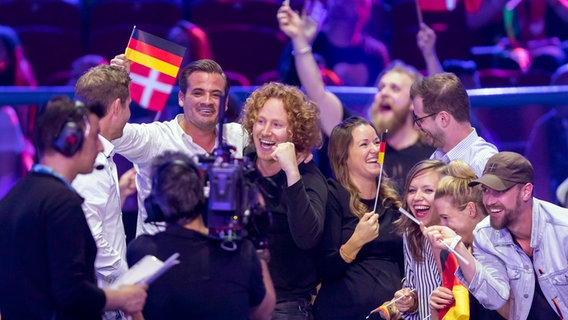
(503, 269)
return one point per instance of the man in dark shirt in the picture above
(211, 282)
(48, 252)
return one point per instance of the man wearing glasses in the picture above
(441, 112)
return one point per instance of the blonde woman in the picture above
(460, 208)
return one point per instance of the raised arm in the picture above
(426, 41)
(302, 30)
(308, 192)
(441, 237)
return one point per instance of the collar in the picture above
(180, 117)
(537, 223)
(179, 231)
(108, 147)
(41, 168)
(459, 149)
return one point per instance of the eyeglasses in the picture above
(418, 121)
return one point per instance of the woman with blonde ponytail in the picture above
(460, 208)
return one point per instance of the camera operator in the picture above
(210, 282)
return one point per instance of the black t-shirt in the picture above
(399, 162)
(208, 283)
(540, 308)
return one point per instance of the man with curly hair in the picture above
(283, 127)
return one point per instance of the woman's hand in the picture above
(441, 298)
(406, 300)
(367, 229)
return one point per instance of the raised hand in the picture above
(307, 25)
(121, 61)
(367, 229)
(285, 154)
(438, 234)
(426, 40)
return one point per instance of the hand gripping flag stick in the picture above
(380, 160)
(452, 250)
(385, 306)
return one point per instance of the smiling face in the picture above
(392, 106)
(201, 101)
(363, 153)
(270, 128)
(420, 197)
(502, 206)
(457, 219)
(427, 124)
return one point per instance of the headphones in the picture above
(70, 136)
(154, 212)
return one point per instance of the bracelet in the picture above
(341, 251)
(305, 50)
(455, 242)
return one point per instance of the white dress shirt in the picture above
(102, 209)
(141, 143)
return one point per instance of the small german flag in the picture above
(382, 148)
(154, 68)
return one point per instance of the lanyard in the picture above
(48, 170)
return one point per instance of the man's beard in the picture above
(505, 220)
(393, 123)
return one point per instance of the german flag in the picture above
(459, 310)
(382, 148)
(154, 68)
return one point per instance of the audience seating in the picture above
(50, 32)
(253, 12)
(250, 50)
(110, 23)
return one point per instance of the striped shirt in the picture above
(423, 277)
(473, 150)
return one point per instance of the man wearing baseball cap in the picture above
(520, 249)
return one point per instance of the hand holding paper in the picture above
(146, 271)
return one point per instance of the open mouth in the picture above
(267, 145)
(496, 212)
(421, 211)
(373, 160)
(385, 108)
(206, 111)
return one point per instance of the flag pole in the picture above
(419, 13)
(380, 160)
(158, 115)
(130, 39)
